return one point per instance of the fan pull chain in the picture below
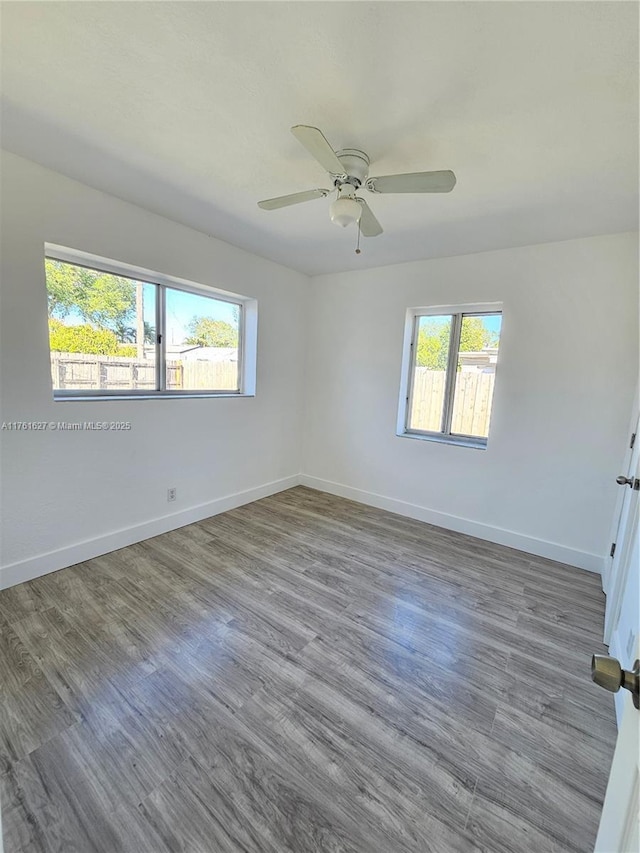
(358, 242)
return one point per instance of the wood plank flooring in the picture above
(304, 674)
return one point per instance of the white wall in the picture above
(565, 381)
(61, 489)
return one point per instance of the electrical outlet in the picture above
(172, 494)
(630, 643)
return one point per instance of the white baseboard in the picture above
(519, 541)
(34, 567)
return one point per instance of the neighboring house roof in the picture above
(210, 354)
(189, 352)
(483, 360)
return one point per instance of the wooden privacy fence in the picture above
(75, 371)
(208, 374)
(472, 402)
(78, 372)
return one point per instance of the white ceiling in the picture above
(185, 108)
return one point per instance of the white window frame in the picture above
(409, 353)
(247, 329)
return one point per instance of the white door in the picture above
(619, 565)
(619, 830)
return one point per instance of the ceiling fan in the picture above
(349, 170)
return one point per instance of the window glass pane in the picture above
(101, 330)
(429, 373)
(202, 339)
(476, 373)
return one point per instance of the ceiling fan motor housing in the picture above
(356, 167)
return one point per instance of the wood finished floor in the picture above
(304, 674)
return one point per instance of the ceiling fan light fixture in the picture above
(344, 211)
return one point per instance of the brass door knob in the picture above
(632, 482)
(608, 673)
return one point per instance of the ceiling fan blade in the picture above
(316, 144)
(413, 182)
(369, 225)
(294, 198)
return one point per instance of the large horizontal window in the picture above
(117, 334)
(450, 371)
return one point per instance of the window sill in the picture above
(99, 398)
(460, 440)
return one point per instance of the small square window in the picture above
(451, 361)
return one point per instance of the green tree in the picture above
(99, 298)
(205, 332)
(63, 286)
(473, 335)
(433, 341)
(127, 350)
(83, 338)
(432, 348)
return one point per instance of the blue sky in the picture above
(182, 307)
(492, 323)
